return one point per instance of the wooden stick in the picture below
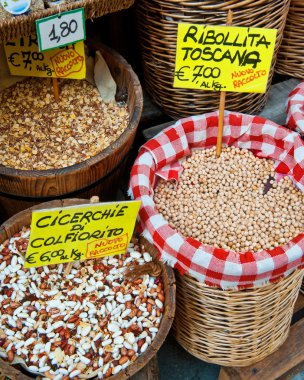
(220, 124)
(55, 89)
(222, 104)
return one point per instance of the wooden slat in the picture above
(281, 365)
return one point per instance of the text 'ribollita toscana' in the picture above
(223, 58)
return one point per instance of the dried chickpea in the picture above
(222, 201)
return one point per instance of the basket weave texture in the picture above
(290, 56)
(234, 328)
(24, 25)
(157, 22)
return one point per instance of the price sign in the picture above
(223, 58)
(66, 234)
(61, 29)
(24, 58)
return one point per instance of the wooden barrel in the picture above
(145, 366)
(99, 175)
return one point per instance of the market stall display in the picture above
(225, 277)
(290, 58)
(98, 174)
(295, 109)
(157, 24)
(93, 321)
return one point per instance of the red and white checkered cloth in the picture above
(212, 266)
(295, 109)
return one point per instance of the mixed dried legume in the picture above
(91, 320)
(37, 133)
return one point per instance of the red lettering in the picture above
(248, 79)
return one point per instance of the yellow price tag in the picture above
(223, 58)
(23, 58)
(62, 235)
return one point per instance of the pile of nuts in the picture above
(89, 321)
(38, 133)
(224, 202)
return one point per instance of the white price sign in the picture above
(60, 30)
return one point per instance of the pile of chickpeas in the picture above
(232, 202)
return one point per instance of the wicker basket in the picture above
(290, 56)
(24, 25)
(234, 328)
(242, 325)
(302, 288)
(157, 22)
(23, 218)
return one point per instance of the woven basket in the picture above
(157, 22)
(23, 218)
(234, 328)
(24, 25)
(302, 288)
(290, 56)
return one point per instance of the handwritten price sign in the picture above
(66, 234)
(24, 58)
(61, 30)
(223, 58)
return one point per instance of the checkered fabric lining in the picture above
(212, 266)
(295, 109)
